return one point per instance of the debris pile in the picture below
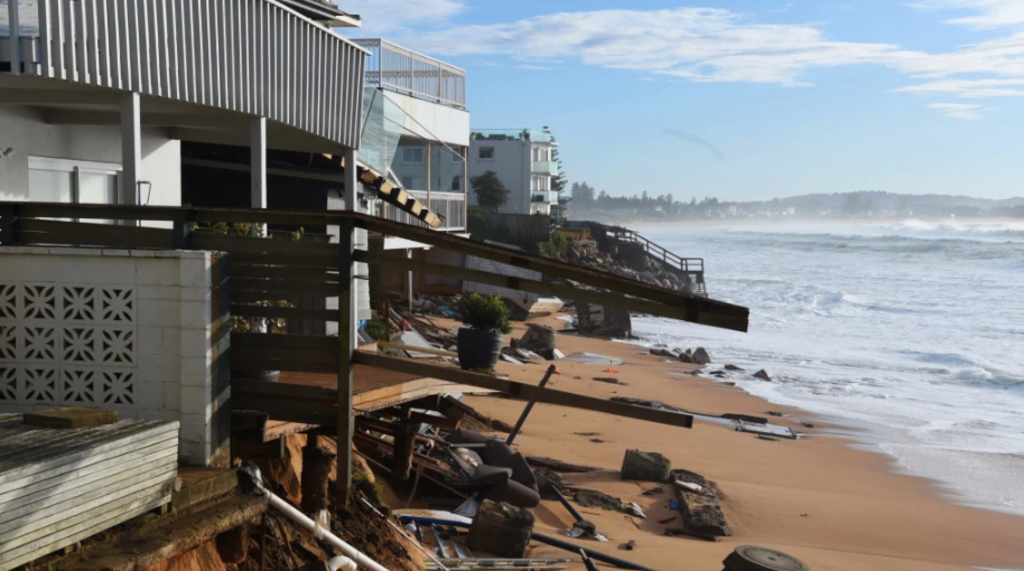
(698, 504)
(501, 529)
(645, 466)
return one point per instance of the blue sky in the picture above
(796, 97)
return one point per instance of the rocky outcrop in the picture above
(763, 375)
(701, 357)
(596, 499)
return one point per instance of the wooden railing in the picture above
(402, 70)
(262, 270)
(251, 56)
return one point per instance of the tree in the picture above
(559, 181)
(490, 191)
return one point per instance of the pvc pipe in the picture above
(342, 563)
(354, 556)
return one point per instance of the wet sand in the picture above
(817, 498)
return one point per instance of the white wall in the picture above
(141, 332)
(512, 163)
(22, 129)
(426, 120)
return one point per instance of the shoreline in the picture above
(828, 498)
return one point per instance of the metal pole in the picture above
(529, 407)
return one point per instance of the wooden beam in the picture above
(562, 291)
(282, 312)
(426, 350)
(551, 268)
(525, 391)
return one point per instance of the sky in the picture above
(742, 99)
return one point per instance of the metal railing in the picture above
(450, 206)
(256, 57)
(392, 67)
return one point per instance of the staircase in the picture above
(690, 269)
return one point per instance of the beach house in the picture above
(522, 159)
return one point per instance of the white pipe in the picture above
(341, 562)
(354, 555)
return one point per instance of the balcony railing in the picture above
(258, 58)
(544, 167)
(402, 70)
(450, 206)
(534, 135)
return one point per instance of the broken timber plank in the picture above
(525, 391)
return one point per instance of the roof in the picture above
(324, 11)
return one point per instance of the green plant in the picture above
(486, 313)
(377, 329)
(556, 246)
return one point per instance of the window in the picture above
(413, 183)
(456, 184)
(81, 182)
(456, 158)
(412, 155)
(487, 153)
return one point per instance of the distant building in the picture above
(522, 158)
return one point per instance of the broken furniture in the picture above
(504, 475)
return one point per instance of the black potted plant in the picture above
(481, 339)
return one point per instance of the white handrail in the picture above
(403, 70)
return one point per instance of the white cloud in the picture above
(992, 13)
(535, 67)
(961, 110)
(391, 16)
(700, 44)
(968, 88)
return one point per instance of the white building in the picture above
(523, 161)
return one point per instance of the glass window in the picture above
(412, 155)
(413, 182)
(456, 184)
(97, 188)
(50, 185)
(487, 153)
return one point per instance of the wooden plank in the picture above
(82, 531)
(245, 245)
(13, 468)
(283, 288)
(54, 482)
(551, 268)
(279, 273)
(84, 234)
(525, 391)
(427, 350)
(276, 340)
(39, 515)
(132, 498)
(97, 211)
(282, 261)
(558, 290)
(259, 359)
(283, 312)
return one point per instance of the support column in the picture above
(404, 446)
(465, 189)
(131, 148)
(258, 162)
(409, 277)
(347, 310)
(429, 177)
(14, 31)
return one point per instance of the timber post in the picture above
(401, 459)
(346, 346)
(9, 223)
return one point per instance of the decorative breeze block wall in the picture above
(145, 333)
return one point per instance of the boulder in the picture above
(763, 375)
(548, 481)
(596, 499)
(501, 529)
(701, 357)
(645, 466)
(538, 338)
(685, 358)
(733, 368)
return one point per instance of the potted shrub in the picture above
(480, 341)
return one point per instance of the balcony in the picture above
(449, 206)
(402, 70)
(545, 196)
(534, 135)
(544, 167)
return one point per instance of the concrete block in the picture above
(162, 368)
(196, 401)
(164, 292)
(172, 397)
(149, 395)
(195, 371)
(159, 313)
(158, 272)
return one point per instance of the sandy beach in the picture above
(817, 498)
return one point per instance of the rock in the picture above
(558, 465)
(611, 380)
(587, 527)
(548, 481)
(645, 466)
(763, 375)
(775, 413)
(701, 357)
(501, 529)
(599, 321)
(685, 358)
(700, 510)
(538, 338)
(596, 499)
(733, 368)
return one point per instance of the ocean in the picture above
(911, 333)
